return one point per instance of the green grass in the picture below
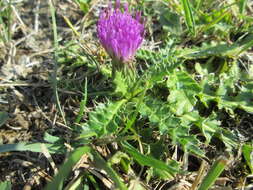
(186, 103)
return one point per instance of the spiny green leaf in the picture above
(211, 127)
(102, 119)
(244, 99)
(224, 90)
(208, 126)
(171, 22)
(162, 62)
(183, 90)
(228, 138)
(159, 113)
(120, 83)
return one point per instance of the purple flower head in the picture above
(119, 32)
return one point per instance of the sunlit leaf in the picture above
(102, 119)
(34, 147)
(214, 172)
(6, 185)
(150, 161)
(188, 13)
(171, 22)
(247, 151)
(183, 90)
(58, 180)
(159, 114)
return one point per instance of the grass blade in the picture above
(188, 16)
(148, 161)
(101, 163)
(9, 20)
(102, 121)
(215, 21)
(6, 185)
(199, 4)
(34, 147)
(3, 118)
(247, 153)
(56, 47)
(82, 104)
(246, 43)
(242, 5)
(215, 171)
(66, 168)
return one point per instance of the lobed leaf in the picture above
(183, 90)
(102, 119)
(159, 114)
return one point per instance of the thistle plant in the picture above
(121, 34)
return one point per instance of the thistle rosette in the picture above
(120, 33)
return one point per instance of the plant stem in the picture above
(56, 47)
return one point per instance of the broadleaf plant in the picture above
(147, 100)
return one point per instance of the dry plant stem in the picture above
(23, 39)
(141, 151)
(71, 26)
(160, 188)
(52, 10)
(62, 125)
(22, 84)
(36, 17)
(78, 35)
(11, 54)
(37, 169)
(200, 175)
(93, 4)
(22, 24)
(82, 43)
(185, 161)
(106, 182)
(49, 158)
(9, 21)
(10, 85)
